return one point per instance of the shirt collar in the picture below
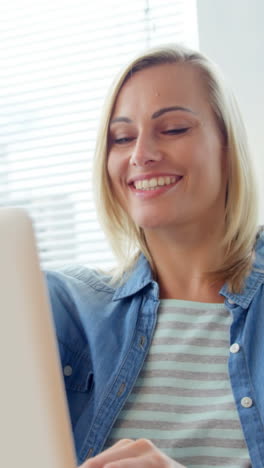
(254, 280)
(141, 276)
(136, 280)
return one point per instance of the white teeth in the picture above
(150, 184)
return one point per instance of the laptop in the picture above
(34, 421)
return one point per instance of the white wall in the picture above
(231, 32)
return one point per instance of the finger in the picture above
(127, 463)
(132, 454)
(122, 442)
(150, 460)
(118, 451)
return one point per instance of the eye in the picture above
(121, 141)
(175, 131)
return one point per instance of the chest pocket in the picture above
(76, 369)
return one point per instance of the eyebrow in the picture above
(156, 114)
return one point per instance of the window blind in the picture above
(57, 61)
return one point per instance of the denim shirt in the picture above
(104, 334)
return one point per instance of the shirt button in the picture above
(246, 402)
(234, 348)
(67, 370)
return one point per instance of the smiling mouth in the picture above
(155, 182)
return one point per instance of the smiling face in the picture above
(165, 161)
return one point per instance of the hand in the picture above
(127, 453)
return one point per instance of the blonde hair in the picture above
(126, 239)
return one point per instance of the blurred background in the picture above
(57, 61)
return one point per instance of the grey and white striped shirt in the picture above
(182, 400)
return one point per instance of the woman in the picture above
(162, 358)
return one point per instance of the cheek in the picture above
(205, 164)
(117, 167)
(116, 172)
(209, 155)
(112, 169)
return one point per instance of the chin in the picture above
(151, 223)
(158, 223)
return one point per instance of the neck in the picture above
(182, 257)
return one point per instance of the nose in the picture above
(145, 152)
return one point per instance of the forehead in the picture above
(162, 85)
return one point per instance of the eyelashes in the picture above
(122, 141)
(175, 131)
(127, 139)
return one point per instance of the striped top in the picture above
(182, 399)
